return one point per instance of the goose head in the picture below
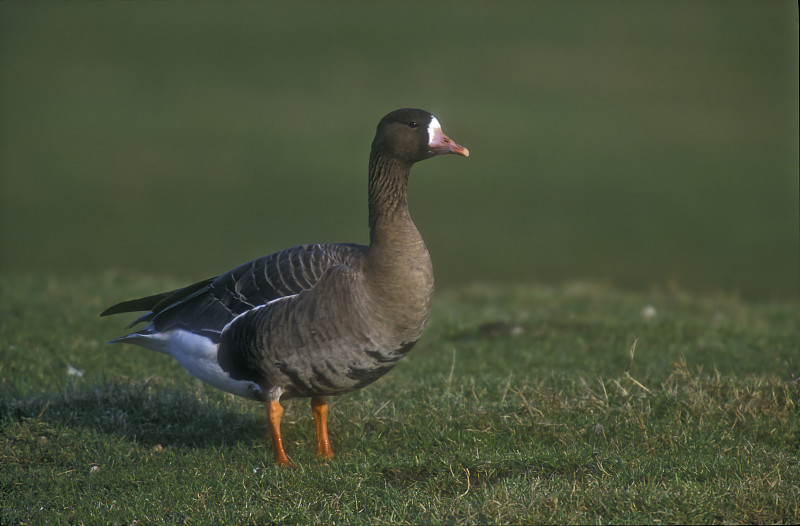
(410, 135)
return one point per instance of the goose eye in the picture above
(412, 124)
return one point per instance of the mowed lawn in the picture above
(572, 404)
(615, 332)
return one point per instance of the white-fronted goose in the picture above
(313, 320)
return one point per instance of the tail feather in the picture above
(134, 337)
(146, 338)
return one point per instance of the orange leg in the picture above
(320, 409)
(274, 413)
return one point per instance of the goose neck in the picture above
(388, 192)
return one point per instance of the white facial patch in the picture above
(433, 127)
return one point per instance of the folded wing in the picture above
(204, 308)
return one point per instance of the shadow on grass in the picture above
(135, 411)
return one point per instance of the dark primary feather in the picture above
(140, 304)
(207, 306)
(156, 302)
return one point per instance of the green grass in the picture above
(578, 403)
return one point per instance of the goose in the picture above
(314, 320)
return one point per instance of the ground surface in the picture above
(578, 403)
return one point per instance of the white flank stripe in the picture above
(267, 304)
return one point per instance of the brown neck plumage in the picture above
(388, 197)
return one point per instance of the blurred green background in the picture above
(639, 143)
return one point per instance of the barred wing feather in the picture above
(205, 307)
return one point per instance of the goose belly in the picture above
(335, 370)
(316, 343)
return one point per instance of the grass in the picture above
(578, 403)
